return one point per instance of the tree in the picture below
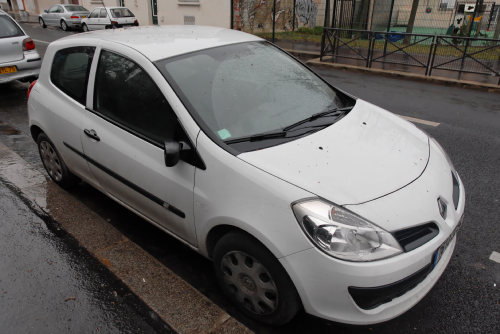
(411, 20)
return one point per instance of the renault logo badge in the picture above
(442, 207)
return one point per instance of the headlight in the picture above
(343, 234)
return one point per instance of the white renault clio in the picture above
(303, 196)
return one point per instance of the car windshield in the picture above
(8, 28)
(121, 12)
(248, 89)
(75, 8)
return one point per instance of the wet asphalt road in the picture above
(466, 298)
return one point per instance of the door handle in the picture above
(92, 134)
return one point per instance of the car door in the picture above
(93, 19)
(51, 18)
(103, 19)
(128, 122)
(64, 99)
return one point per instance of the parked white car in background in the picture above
(64, 16)
(302, 195)
(109, 18)
(19, 59)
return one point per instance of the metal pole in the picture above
(463, 59)
(293, 16)
(325, 25)
(334, 14)
(274, 19)
(232, 14)
(388, 26)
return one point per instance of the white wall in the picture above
(205, 12)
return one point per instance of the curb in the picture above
(179, 305)
(411, 76)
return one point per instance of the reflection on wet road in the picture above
(49, 284)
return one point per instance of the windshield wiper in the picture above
(259, 137)
(330, 112)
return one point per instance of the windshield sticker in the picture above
(224, 134)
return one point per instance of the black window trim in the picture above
(192, 158)
(86, 79)
(202, 124)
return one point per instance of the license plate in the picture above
(8, 69)
(439, 252)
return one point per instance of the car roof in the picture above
(160, 42)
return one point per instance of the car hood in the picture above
(367, 154)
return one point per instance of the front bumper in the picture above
(28, 67)
(323, 282)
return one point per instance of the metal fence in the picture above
(468, 57)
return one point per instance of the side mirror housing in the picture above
(172, 152)
(45, 10)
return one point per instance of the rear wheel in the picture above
(42, 22)
(64, 25)
(54, 165)
(85, 28)
(254, 279)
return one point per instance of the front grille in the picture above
(456, 190)
(413, 237)
(370, 298)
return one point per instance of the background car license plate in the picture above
(8, 69)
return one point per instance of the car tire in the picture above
(85, 28)
(64, 25)
(254, 280)
(42, 23)
(53, 163)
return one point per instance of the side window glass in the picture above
(126, 94)
(94, 14)
(70, 71)
(59, 9)
(103, 13)
(53, 9)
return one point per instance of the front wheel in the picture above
(85, 28)
(42, 22)
(254, 279)
(54, 165)
(64, 25)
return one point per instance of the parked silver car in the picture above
(64, 16)
(19, 59)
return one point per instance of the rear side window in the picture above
(70, 71)
(8, 28)
(127, 96)
(103, 13)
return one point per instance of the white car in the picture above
(302, 195)
(19, 59)
(109, 18)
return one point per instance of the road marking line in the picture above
(40, 41)
(495, 257)
(421, 121)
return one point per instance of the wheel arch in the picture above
(35, 131)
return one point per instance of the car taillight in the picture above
(74, 17)
(136, 23)
(114, 22)
(30, 87)
(28, 44)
